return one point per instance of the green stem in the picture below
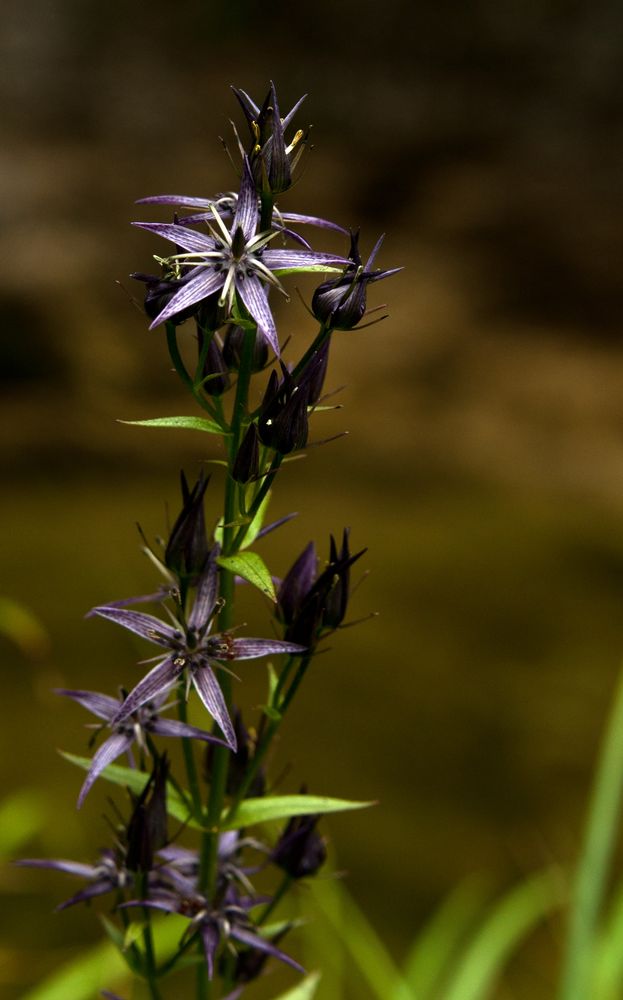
(600, 841)
(220, 760)
(280, 893)
(182, 371)
(323, 334)
(189, 754)
(148, 943)
(271, 729)
(257, 501)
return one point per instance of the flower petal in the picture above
(246, 206)
(313, 220)
(261, 944)
(156, 682)
(189, 239)
(211, 939)
(176, 199)
(249, 649)
(176, 729)
(209, 690)
(96, 889)
(302, 260)
(112, 748)
(207, 592)
(59, 865)
(101, 705)
(138, 622)
(203, 282)
(252, 293)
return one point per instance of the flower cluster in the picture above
(230, 251)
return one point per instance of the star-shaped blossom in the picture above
(236, 262)
(108, 874)
(214, 923)
(191, 651)
(130, 730)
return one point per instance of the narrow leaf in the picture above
(251, 568)
(304, 991)
(359, 938)
(508, 921)
(136, 781)
(186, 423)
(438, 943)
(256, 524)
(282, 806)
(102, 966)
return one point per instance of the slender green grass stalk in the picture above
(595, 863)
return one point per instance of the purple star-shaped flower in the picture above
(234, 263)
(108, 874)
(128, 731)
(190, 650)
(229, 920)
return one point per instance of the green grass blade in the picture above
(304, 991)
(595, 863)
(436, 946)
(509, 920)
(102, 967)
(607, 981)
(358, 937)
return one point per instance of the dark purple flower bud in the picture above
(341, 302)
(246, 464)
(309, 607)
(272, 160)
(187, 548)
(158, 294)
(283, 423)
(300, 850)
(316, 371)
(214, 374)
(147, 827)
(232, 349)
(336, 600)
(296, 585)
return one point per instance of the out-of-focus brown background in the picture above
(484, 467)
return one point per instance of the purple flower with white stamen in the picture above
(130, 730)
(107, 875)
(236, 263)
(191, 650)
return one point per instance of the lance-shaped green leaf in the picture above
(283, 806)
(303, 991)
(186, 423)
(135, 780)
(251, 568)
(260, 810)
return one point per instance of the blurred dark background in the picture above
(484, 467)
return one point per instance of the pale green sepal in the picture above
(251, 568)
(283, 806)
(136, 781)
(186, 423)
(304, 991)
(324, 268)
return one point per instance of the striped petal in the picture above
(209, 690)
(114, 746)
(202, 283)
(250, 649)
(156, 682)
(255, 299)
(189, 239)
(147, 626)
(101, 705)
